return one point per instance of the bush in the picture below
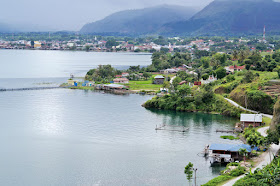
(247, 181)
(218, 180)
(238, 171)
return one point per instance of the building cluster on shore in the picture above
(178, 44)
(226, 153)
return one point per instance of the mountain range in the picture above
(230, 17)
(220, 17)
(141, 21)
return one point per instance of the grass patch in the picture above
(143, 85)
(230, 137)
(220, 180)
(266, 120)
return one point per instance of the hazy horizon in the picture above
(52, 15)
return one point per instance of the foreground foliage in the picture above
(270, 175)
(227, 176)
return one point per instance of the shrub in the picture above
(238, 171)
(218, 180)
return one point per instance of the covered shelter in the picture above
(250, 119)
(226, 153)
(159, 79)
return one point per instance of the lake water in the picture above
(77, 137)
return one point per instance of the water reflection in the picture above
(187, 119)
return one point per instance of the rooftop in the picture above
(159, 77)
(114, 86)
(230, 147)
(251, 117)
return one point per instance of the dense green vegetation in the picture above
(185, 99)
(253, 137)
(270, 175)
(246, 88)
(161, 60)
(226, 175)
(229, 137)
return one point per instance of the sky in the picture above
(57, 15)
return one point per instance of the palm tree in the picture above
(235, 55)
(243, 152)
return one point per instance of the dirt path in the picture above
(253, 111)
(268, 156)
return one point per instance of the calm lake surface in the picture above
(77, 137)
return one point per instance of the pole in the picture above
(195, 169)
(246, 100)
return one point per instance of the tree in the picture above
(243, 152)
(32, 44)
(184, 90)
(87, 48)
(134, 68)
(164, 50)
(235, 55)
(189, 171)
(205, 76)
(110, 43)
(255, 139)
(146, 75)
(249, 77)
(176, 82)
(201, 53)
(166, 84)
(221, 72)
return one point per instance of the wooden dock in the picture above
(225, 131)
(31, 88)
(163, 127)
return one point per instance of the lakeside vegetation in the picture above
(229, 137)
(270, 175)
(193, 100)
(232, 170)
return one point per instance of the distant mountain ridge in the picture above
(147, 20)
(5, 28)
(227, 17)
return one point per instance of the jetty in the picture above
(31, 88)
(225, 131)
(180, 128)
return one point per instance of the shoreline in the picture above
(97, 51)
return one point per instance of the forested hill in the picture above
(147, 20)
(227, 17)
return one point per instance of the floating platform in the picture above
(163, 127)
(225, 131)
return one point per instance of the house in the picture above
(211, 79)
(85, 83)
(183, 82)
(168, 71)
(191, 73)
(197, 42)
(113, 87)
(72, 82)
(250, 119)
(226, 153)
(125, 74)
(37, 44)
(234, 68)
(118, 76)
(121, 80)
(90, 84)
(159, 79)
